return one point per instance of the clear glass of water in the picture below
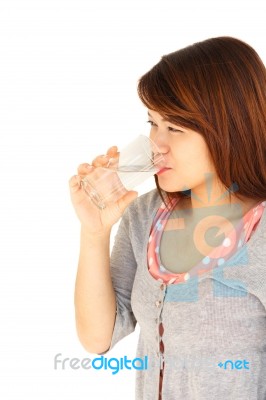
(135, 163)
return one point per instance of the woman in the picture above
(189, 259)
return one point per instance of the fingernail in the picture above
(113, 148)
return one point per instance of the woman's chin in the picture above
(169, 188)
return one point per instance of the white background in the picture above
(68, 77)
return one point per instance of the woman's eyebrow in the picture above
(163, 119)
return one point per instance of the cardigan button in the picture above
(158, 303)
(162, 286)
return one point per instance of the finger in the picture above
(124, 202)
(113, 156)
(74, 183)
(113, 162)
(84, 169)
(101, 160)
(112, 151)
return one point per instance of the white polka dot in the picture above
(206, 260)
(255, 213)
(159, 226)
(150, 238)
(187, 276)
(172, 280)
(227, 242)
(160, 280)
(263, 203)
(157, 250)
(163, 206)
(150, 261)
(221, 261)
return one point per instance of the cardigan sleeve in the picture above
(123, 268)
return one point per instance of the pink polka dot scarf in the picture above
(234, 240)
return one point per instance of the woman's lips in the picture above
(163, 170)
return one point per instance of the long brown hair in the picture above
(216, 87)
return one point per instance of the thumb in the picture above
(124, 202)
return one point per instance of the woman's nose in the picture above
(160, 142)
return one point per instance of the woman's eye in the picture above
(151, 123)
(171, 129)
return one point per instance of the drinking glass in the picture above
(135, 163)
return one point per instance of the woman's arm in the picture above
(95, 299)
(95, 302)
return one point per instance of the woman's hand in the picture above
(93, 219)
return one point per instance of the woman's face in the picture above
(186, 154)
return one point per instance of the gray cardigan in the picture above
(214, 325)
